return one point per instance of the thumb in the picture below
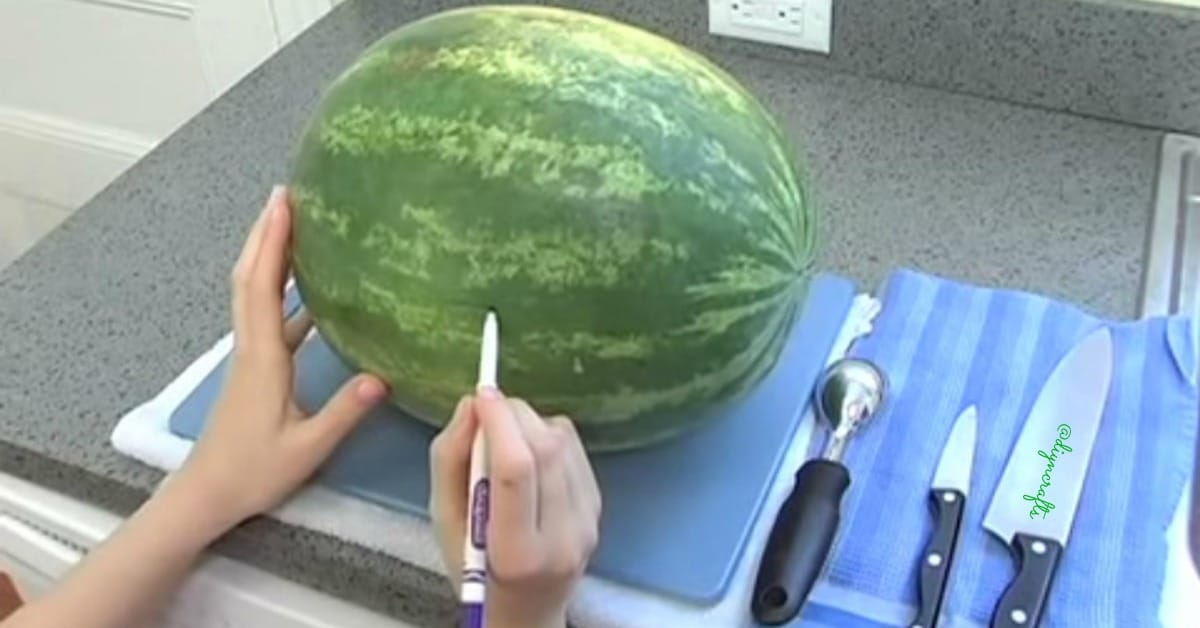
(348, 406)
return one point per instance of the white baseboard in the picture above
(181, 9)
(62, 161)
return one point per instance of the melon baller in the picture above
(848, 394)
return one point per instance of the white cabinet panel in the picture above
(96, 63)
(89, 86)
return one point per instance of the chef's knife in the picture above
(1034, 505)
(948, 497)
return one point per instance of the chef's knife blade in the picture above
(1034, 505)
(948, 497)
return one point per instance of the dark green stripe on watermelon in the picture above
(635, 215)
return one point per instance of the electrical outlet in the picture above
(804, 24)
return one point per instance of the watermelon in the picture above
(637, 218)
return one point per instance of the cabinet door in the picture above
(89, 86)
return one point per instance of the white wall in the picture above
(89, 86)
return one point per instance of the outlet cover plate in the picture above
(803, 24)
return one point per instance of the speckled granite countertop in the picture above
(110, 306)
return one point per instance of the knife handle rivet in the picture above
(1038, 547)
(948, 497)
(934, 559)
(1018, 616)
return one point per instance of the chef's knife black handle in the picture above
(1024, 601)
(799, 541)
(948, 505)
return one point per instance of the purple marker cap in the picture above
(472, 616)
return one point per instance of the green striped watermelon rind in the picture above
(636, 215)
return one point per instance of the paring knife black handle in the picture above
(799, 541)
(1024, 601)
(948, 507)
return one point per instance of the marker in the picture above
(474, 574)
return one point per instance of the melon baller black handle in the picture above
(800, 541)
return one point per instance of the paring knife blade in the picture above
(948, 498)
(1033, 507)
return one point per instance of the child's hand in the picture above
(258, 445)
(256, 449)
(545, 507)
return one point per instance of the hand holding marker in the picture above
(526, 538)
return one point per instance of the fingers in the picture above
(567, 499)
(554, 495)
(265, 283)
(578, 532)
(348, 406)
(450, 464)
(544, 500)
(240, 276)
(271, 260)
(582, 477)
(514, 485)
(259, 274)
(296, 329)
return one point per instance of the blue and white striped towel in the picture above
(946, 345)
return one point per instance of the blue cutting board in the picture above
(676, 515)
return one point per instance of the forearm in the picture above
(125, 580)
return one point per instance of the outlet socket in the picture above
(803, 24)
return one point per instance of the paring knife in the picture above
(1034, 505)
(948, 498)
